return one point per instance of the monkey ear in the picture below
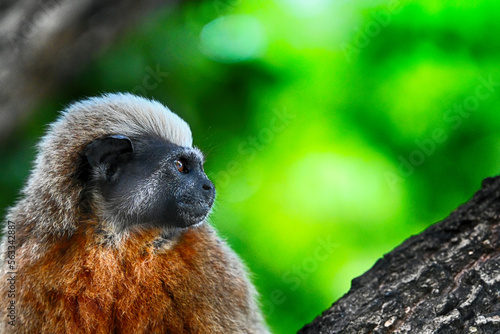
(108, 150)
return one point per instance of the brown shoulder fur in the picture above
(81, 285)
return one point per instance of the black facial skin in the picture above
(149, 181)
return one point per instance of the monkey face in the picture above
(148, 181)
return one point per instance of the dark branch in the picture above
(444, 280)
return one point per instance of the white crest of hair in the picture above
(52, 193)
(129, 114)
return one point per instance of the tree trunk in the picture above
(45, 42)
(444, 280)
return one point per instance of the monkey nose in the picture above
(207, 186)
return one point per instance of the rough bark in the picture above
(45, 42)
(444, 280)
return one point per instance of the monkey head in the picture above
(122, 161)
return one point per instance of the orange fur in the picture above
(82, 285)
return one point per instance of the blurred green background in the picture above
(333, 130)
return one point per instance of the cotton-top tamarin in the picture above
(110, 232)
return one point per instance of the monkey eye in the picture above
(181, 167)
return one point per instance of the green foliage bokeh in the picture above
(333, 130)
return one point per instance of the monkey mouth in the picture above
(193, 212)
